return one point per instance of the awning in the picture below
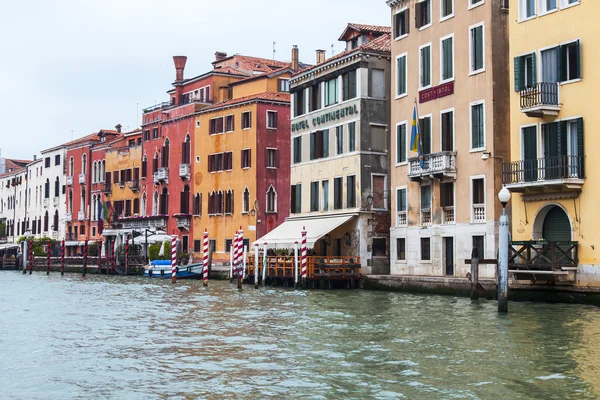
(7, 246)
(290, 231)
(115, 232)
(71, 243)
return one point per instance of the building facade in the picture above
(54, 208)
(550, 173)
(450, 64)
(13, 196)
(339, 151)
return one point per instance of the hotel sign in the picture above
(325, 118)
(436, 92)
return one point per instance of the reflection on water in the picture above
(112, 337)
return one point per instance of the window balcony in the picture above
(68, 217)
(69, 181)
(82, 179)
(46, 202)
(437, 165)
(540, 100)
(107, 189)
(478, 216)
(402, 219)
(448, 215)
(55, 201)
(134, 186)
(183, 221)
(549, 174)
(184, 171)
(81, 216)
(54, 235)
(162, 175)
(426, 217)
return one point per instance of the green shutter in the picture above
(478, 47)
(312, 146)
(578, 58)
(326, 143)
(562, 63)
(403, 143)
(580, 147)
(562, 138)
(533, 69)
(518, 82)
(299, 198)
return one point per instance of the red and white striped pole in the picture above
(173, 259)
(49, 249)
(240, 251)
(304, 257)
(205, 259)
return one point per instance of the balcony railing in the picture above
(107, 189)
(565, 171)
(184, 170)
(46, 202)
(425, 217)
(448, 215)
(69, 181)
(68, 217)
(402, 218)
(134, 186)
(81, 216)
(540, 99)
(543, 261)
(436, 165)
(479, 213)
(183, 221)
(163, 174)
(82, 179)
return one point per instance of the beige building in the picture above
(450, 58)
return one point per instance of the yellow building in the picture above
(551, 174)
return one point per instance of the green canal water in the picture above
(128, 338)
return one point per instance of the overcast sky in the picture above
(71, 67)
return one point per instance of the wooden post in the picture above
(62, 258)
(85, 257)
(296, 265)
(99, 271)
(265, 265)
(126, 255)
(30, 257)
(255, 265)
(112, 258)
(173, 259)
(474, 274)
(48, 250)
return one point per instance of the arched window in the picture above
(164, 202)
(55, 222)
(246, 201)
(71, 166)
(144, 166)
(185, 200)
(47, 189)
(186, 150)
(271, 200)
(46, 221)
(94, 209)
(82, 205)
(165, 154)
(220, 202)
(229, 202)
(83, 164)
(143, 210)
(39, 222)
(198, 204)
(56, 187)
(155, 164)
(70, 202)
(94, 172)
(155, 204)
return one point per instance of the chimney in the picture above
(34, 157)
(118, 128)
(179, 67)
(295, 57)
(320, 56)
(219, 55)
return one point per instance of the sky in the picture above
(69, 68)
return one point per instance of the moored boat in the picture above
(162, 269)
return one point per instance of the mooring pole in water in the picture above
(25, 256)
(100, 247)
(296, 265)
(113, 256)
(474, 274)
(85, 257)
(256, 266)
(265, 265)
(49, 249)
(244, 261)
(173, 259)
(126, 256)
(30, 257)
(240, 257)
(503, 262)
(232, 256)
(205, 259)
(62, 258)
(304, 257)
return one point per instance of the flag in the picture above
(105, 210)
(100, 219)
(415, 136)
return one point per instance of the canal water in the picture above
(105, 337)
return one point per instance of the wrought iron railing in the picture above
(543, 169)
(540, 94)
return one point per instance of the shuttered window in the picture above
(401, 143)
(425, 132)
(401, 25)
(447, 62)
(570, 61)
(477, 126)
(401, 76)
(425, 66)
(448, 131)
(352, 136)
(477, 49)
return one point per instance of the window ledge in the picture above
(479, 71)
(425, 27)
(272, 128)
(229, 131)
(401, 37)
(400, 96)
(571, 81)
(477, 150)
(270, 212)
(570, 5)
(548, 12)
(447, 17)
(527, 19)
(472, 6)
(442, 81)
(245, 167)
(246, 129)
(271, 167)
(425, 87)
(425, 261)
(401, 164)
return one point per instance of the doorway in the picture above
(449, 256)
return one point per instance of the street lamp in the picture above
(504, 197)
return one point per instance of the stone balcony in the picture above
(435, 166)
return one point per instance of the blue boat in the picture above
(161, 269)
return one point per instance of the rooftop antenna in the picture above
(274, 51)
(332, 50)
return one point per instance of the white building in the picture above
(54, 198)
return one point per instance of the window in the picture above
(57, 160)
(352, 136)
(271, 119)
(478, 191)
(378, 88)
(325, 187)
(154, 133)
(197, 246)
(425, 249)
(447, 59)
(297, 149)
(338, 190)
(83, 164)
(220, 162)
(296, 198)
(144, 167)
(47, 189)
(197, 204)
(401, 24)
(272, 158)
(246, 120)
(351, 191)
(47, 162)
(401, 75)
(570, 61)
(425, 132)
(474, 3)
(164, 156)
(319, 144)
(400, 249)
(401, 142)
(246, 201)
(477, 49)
(422, 14)
(283, 85)
(425, 66)
(215, 203)
(229, 202)
(229, 124)
(425, 197)
(331, 92)
(401, 207)
(478, 243)
(56, 187)
(314, 196)
(215, 126)
(477, 126)
(349, 85)
(526, 9)
(447, 130)
(186, 151)
(378, 192)
(447, 194)
(550, 65)
(246, 159)
(339, 139)
(299, 103)
(525, 71)
(147, 135)
(228, 243)
(547, 6)
(447, 9)
(271, 200)
(315, 97)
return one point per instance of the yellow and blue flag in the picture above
(415, 137)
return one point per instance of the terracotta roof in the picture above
(92, 137)
(265, 96)
(260, 64)
(271, 74)
(383, 44)
(363, 28)
(13, 163)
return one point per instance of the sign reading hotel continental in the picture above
(324, 118)
(436, 92)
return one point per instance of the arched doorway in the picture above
(557, 226)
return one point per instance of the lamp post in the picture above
(504, 197)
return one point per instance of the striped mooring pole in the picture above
(265, 265)
(62, 258)
(240, 257)
(173, 259)
(235, 256)
(296, 265)
(30, 250)
(126, 256)
(112, 258)
(304, 257)
(256, 266)
(48, 250)
(85, 257)
(205, 259)
(99, 271)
